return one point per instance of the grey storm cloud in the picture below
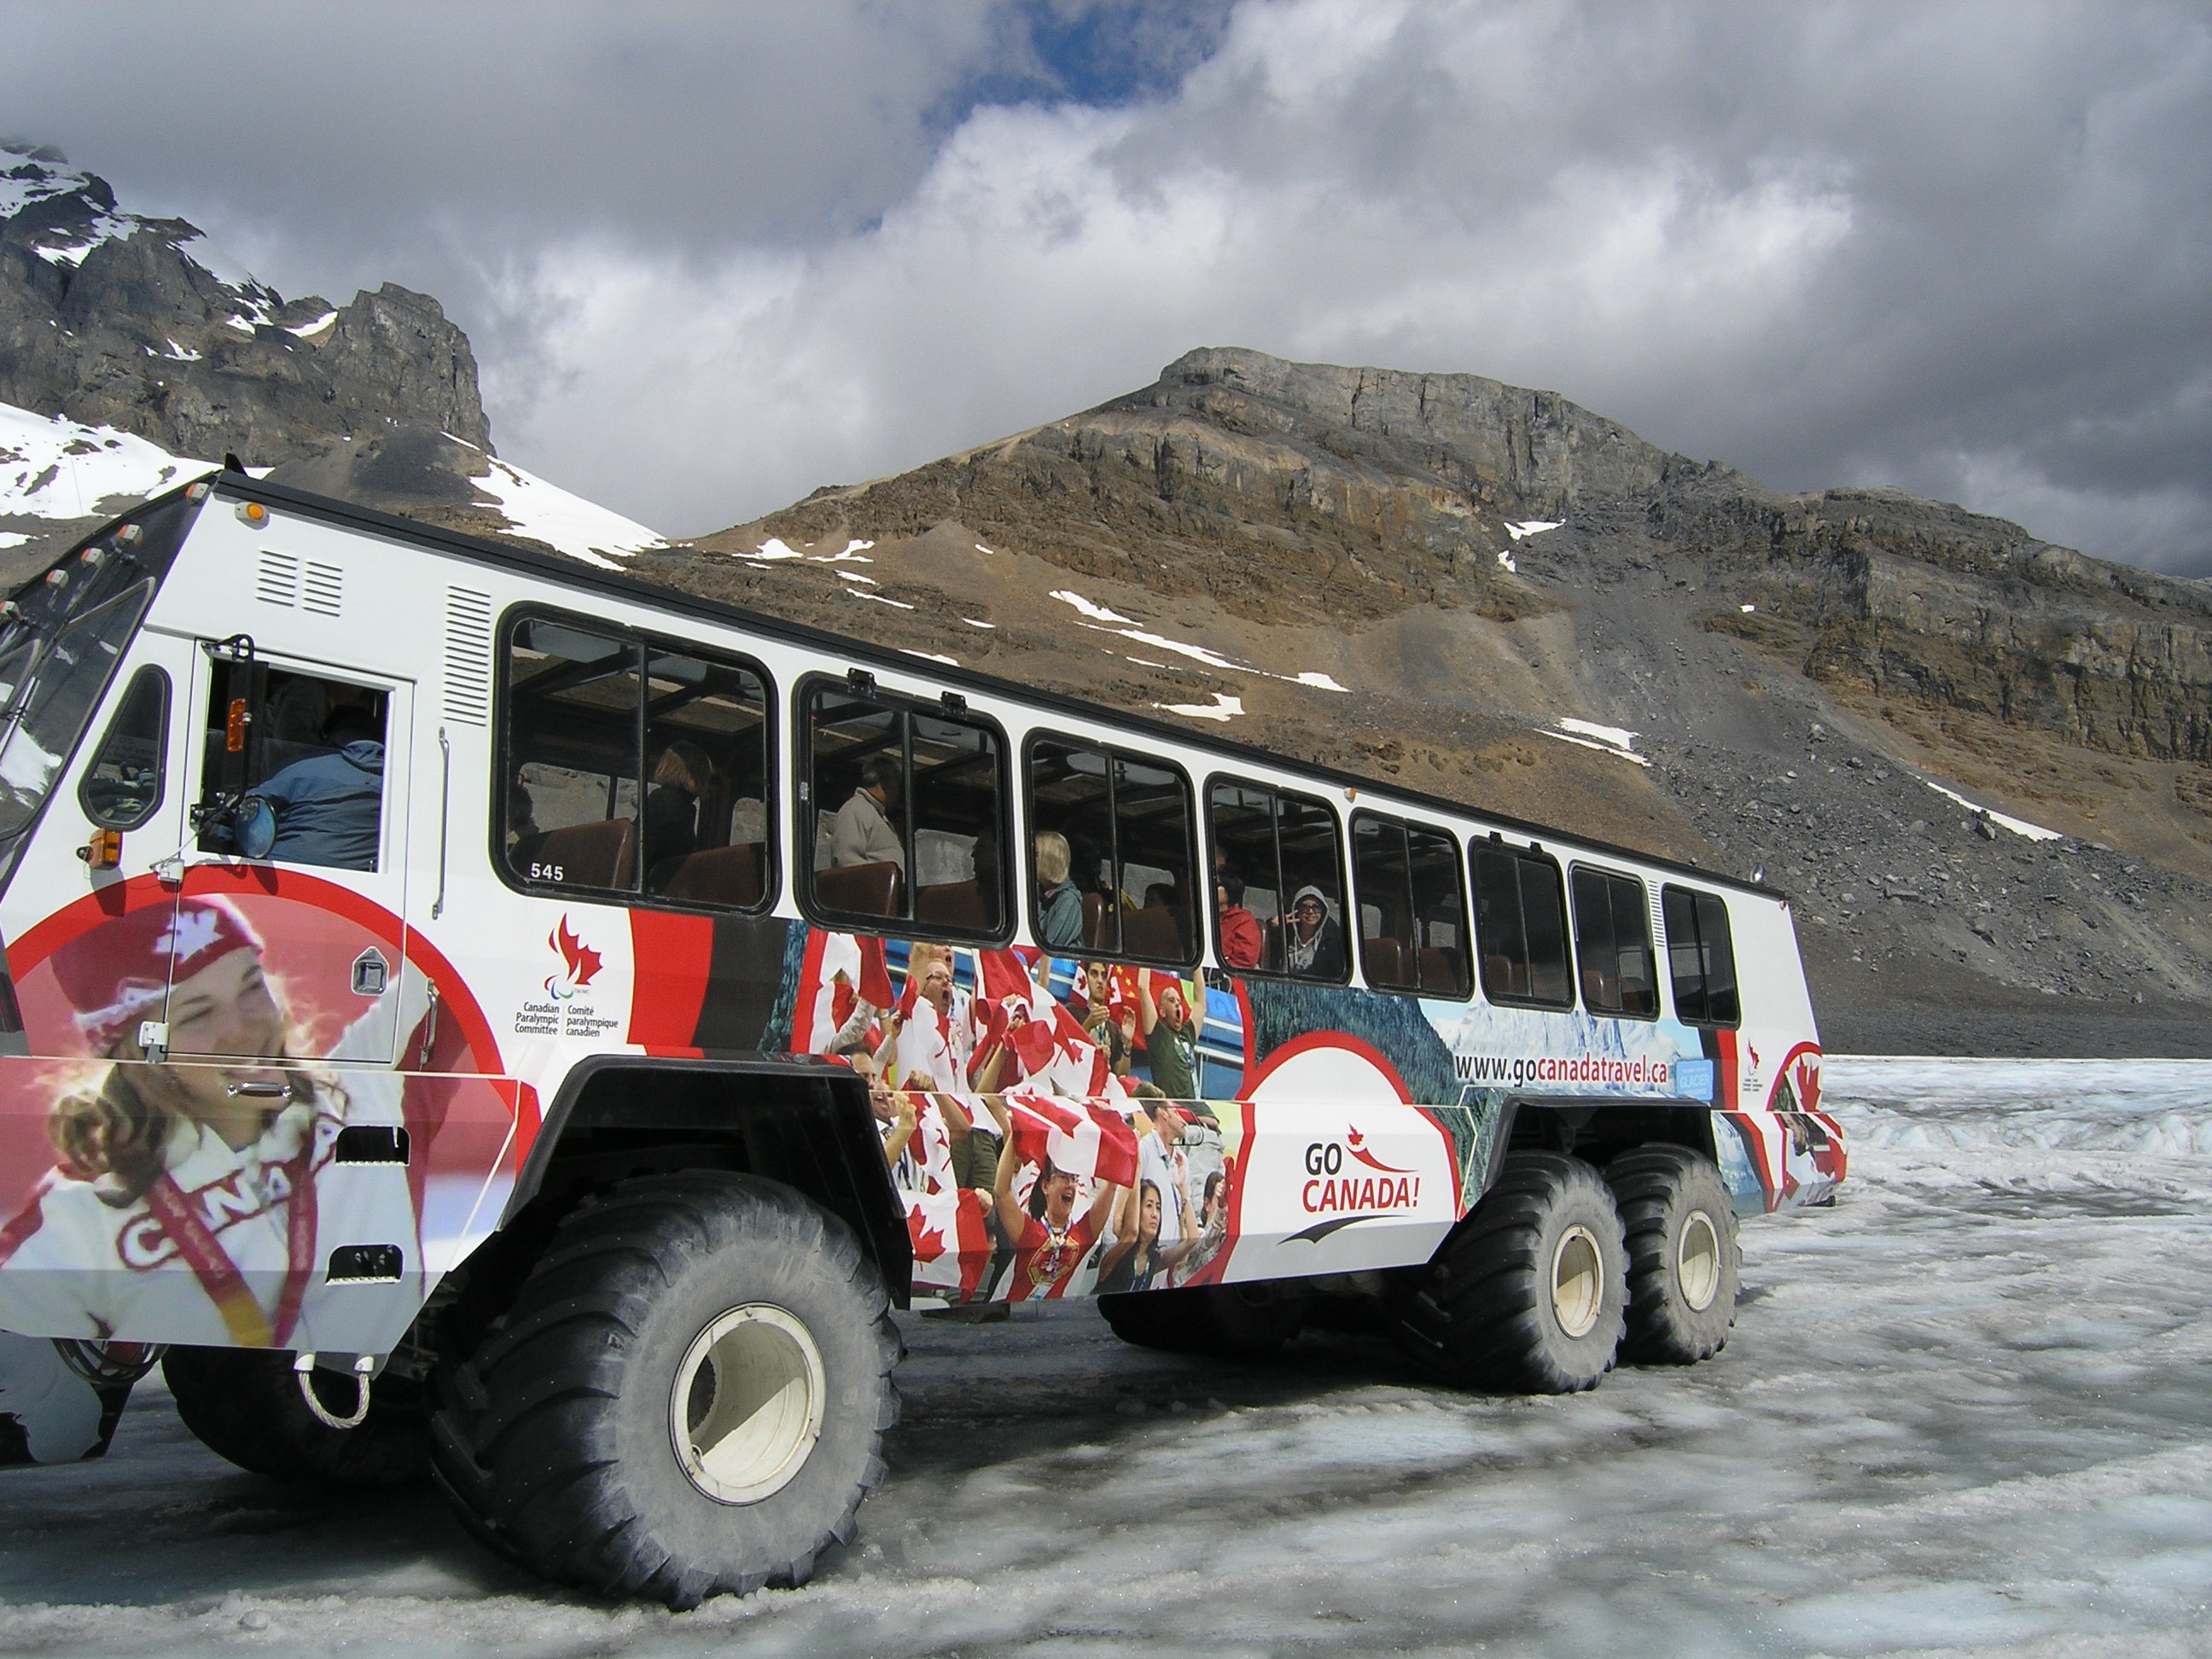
(712, 257)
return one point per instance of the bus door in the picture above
(295, 845)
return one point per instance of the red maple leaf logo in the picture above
(583, 961)
(929, 1241)
(1353, 1139)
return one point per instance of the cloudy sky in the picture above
(714, 256)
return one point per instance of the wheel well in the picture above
(1597, 1132)
(807, 1126)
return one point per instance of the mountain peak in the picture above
(121, 321)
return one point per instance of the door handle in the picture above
(260, 1090)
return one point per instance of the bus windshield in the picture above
(65, 633)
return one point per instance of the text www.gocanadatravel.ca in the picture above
(1549, 1068)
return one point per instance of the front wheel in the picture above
(1527, 1297)
(686, 1399)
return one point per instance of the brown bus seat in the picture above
(1152, 932)
(953, 904)
(1386, 965)
(1441, 969)
(1504, 976)
(860, 890)
(1094, 921)
(602, 854)
(720, 875)
(1598, 990)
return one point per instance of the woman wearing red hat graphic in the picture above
(187, 1204)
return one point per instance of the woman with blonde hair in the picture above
(191, 1203)
(1060, 906)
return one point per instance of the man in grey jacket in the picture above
(863, 831)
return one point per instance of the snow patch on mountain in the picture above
(546, 512)
(2018, 826)
(1613, 741)
(59, 469)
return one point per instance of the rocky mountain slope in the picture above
(121, 331)
(1983, 763)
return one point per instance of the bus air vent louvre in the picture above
(323, 592)
(468, 656)
(277, 581)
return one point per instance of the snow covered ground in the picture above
(1964, 1412)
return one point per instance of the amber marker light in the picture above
(254, 513)
(104, 850)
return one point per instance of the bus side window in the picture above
(1287, 853)
(122, 787)
(572, 757)
(1700, 957)
(1413, 913)
(904, 814)
(1520, 927)
(1110, 854)
(1612, 942)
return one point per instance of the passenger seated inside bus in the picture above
(866, 829)
(1309, 942)
(1060, 906)
(330, 807)
(682, 780)
(1242, 946)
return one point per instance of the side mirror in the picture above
(253, 827)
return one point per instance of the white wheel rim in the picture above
(1578, 1281)
(746, 1408)
(1697, 1262)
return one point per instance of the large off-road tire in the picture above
(1526, 1296)
(1233, 1322)
(244, 1404)
(686, 1398)
(1683, 1260)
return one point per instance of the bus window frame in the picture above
(1215, 780)
(1651, 945)
(1532, 852)
(1694, 894)
(802, 836)
(1459, 852)
(1036, 734)
(648, 643)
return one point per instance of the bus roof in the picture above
(573, 574)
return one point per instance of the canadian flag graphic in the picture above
(952, 1246)
(1081, 1136)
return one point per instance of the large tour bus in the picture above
(468, 1011)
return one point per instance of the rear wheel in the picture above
(1527, 1297)
(244, 1404)
(1683, 1260)
(686, 1398)
(1235, 1321)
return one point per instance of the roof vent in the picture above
(323, 591)
(277, 581)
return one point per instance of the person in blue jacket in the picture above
(330, 807)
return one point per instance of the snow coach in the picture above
(469, 1012)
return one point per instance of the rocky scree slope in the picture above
(130, 326)
(1482, 590)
